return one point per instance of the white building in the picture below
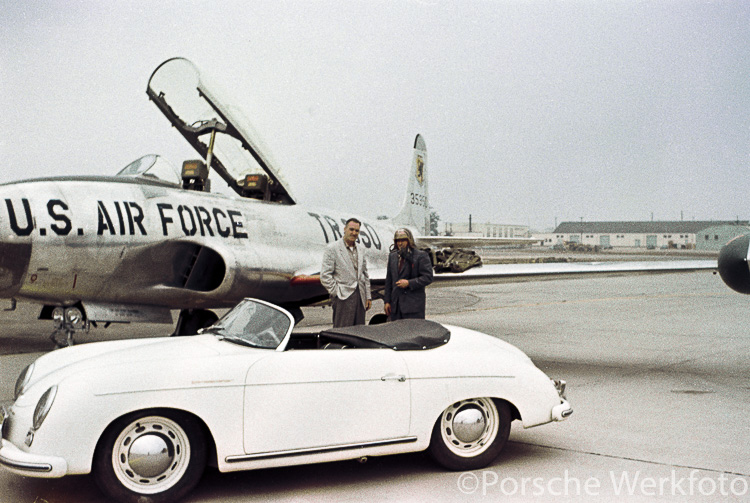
(680, 234)
(487, 230)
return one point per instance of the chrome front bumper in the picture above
(564, 410)
(27, 464)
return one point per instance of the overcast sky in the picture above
(534, 112)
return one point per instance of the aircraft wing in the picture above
(471, 241)
(183, 96)
(508, 273)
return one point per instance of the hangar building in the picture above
(488, 230)
(703, 235)
(713, 238)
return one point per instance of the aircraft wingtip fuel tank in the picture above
(733, 264)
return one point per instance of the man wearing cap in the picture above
(409, 272)
(344, 274)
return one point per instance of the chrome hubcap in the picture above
(150, 455)
(468, 424)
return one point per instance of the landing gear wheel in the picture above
(470, 434)
(150, 457)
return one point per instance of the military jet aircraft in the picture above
(134, 246)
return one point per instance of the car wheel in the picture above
(470, 434)
(150, 457)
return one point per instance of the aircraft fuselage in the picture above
(130, 241)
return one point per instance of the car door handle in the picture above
(394, 377)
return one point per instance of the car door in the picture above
(304, 399)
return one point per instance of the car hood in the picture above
(467, 339)
(149, 357)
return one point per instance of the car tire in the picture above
(470, 434)
(150, 457)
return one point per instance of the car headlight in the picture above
(560, 386)
(23, 380)
(43, 406)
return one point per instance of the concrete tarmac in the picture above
(657, 369)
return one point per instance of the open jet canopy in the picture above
(221, 134)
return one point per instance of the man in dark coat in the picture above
(409, 272)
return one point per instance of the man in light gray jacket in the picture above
(344, 274)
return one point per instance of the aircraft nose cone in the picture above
(732, 265)
(14, 262)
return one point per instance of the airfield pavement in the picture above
(657, 369)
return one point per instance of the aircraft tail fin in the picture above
(415, 211)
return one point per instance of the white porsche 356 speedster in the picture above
(147, 415)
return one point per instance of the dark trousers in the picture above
(396, 314)
(349, 311)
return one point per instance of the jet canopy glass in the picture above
(152, 167)
(221, 134)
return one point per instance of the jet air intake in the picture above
(14, 262)
(201, 269)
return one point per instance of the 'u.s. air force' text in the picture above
(128, 218)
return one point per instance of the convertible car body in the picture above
(146, 416)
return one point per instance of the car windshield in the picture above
(252, 323)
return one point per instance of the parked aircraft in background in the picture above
(134, 246)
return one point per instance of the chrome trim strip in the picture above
(317, 450)
(29, 467)
(463, 377)
(242, 384)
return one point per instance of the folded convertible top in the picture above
(398, 335)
